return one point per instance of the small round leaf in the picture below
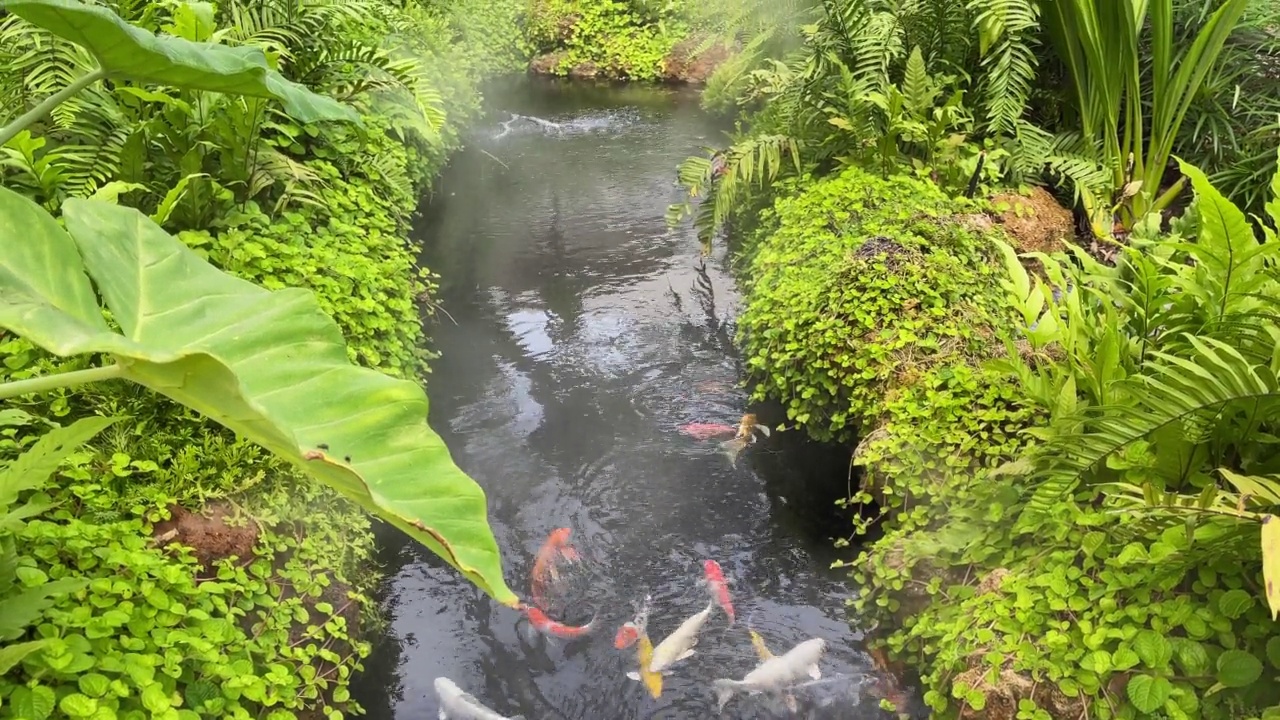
(94, 685)
(78, 706)
(1235, 603)
(1237, 668)
(1148, 693)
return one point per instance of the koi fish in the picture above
(547, 626)
(746, 435)
(748, 427)
(764, 653)
(457, 704)
(886, 685)
(718, 588)
(679, 644)
(776, 673)
(733, 448)
(632, 629)
(707, 431)
(555, 548)
(757, 642)
(627, 635)
(644, 655)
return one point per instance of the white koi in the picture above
(457, 704)
(679, 644)
(777, 673)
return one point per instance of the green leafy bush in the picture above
(858, 285)
(146, 632)
(1117, 563)
(612, 38)
(352, 254)
(279, 202)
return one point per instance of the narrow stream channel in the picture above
(582, 334)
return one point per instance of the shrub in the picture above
(858, 285)
(1114, 570)
(613, 37)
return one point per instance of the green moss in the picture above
(858, 285)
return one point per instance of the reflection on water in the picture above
(583, 333)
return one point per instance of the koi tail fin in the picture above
(725, 689)
(731, 450)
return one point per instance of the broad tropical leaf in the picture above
(127, 51)
(269, 365)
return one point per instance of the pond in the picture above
(580, 334)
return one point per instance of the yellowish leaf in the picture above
(1271, 562)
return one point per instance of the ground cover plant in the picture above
(1063, 451)
(246, 579)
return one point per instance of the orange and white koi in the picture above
(547, 626)
(707, 431)
(555, 549)
(719, 589)
(748, 427)
(631, 630)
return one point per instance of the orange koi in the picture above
(707, 431)
(631, 630)
(627, 635)
(556, 548)
(718, 588)
(547, 626)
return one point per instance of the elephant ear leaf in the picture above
(127, 51)
(272, 366)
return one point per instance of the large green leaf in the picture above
(127, 51)
(269, 365)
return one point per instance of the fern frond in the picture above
(1006, 34)
(1172, 389)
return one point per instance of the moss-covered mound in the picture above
(859, 285)
(604, 38)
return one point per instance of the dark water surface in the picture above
(585, 333)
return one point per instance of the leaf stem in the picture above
(61, 380)
(8, 131)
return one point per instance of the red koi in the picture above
(556, 548)
(718, 588)
(632, 629)
(707, 431)
(547, 626)
(627, 635)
